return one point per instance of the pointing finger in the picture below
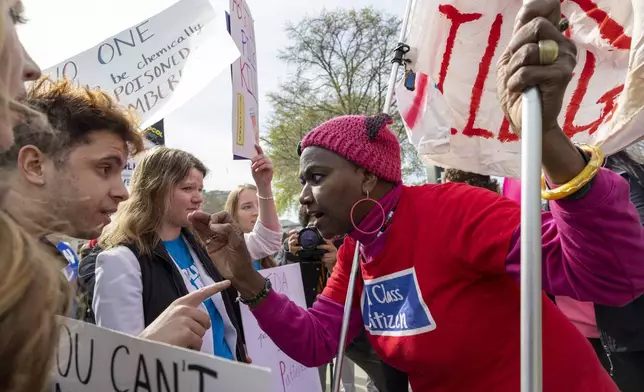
(197, 297)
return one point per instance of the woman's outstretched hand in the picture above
(226, 247)
(224, 241)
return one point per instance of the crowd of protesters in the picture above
(436, 304)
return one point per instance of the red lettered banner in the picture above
(453, 116)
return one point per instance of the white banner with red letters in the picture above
(244, 81)
(453, 115)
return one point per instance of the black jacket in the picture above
(622, 328)
(163, 284)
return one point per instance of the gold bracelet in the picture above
(580, 180)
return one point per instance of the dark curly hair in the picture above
(74, 112)
(473, 179)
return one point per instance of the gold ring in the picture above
(548, 52)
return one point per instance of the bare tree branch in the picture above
(341, 62)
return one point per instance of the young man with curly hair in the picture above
(67, 179)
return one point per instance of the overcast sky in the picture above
(57, 31)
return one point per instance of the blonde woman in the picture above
(151, 259)
(253, 207)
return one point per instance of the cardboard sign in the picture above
(244, 81)
(453, 115)
(157, 65)
(95, 359)
(287, 374)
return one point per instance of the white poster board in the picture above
(287, 374)
(157, 65)
(95, 359)
(453, 117)
(157, 132)
(244, 81)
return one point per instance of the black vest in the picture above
(163, 284)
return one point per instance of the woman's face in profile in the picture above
(16, 67)
(331, 185)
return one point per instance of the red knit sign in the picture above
(453, 115)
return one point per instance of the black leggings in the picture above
(627, 369)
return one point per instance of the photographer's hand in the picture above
(331, 257)
(294, 242)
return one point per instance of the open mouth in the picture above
(107, 216)
(315, 214)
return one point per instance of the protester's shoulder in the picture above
(346, 249)
(117, 257)
(449, 195)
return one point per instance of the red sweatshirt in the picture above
(439, 298)
(443, 297)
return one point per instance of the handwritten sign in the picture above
(287, 374)
(94, 359)
(453, 115)
(157, 65)
(154, 136)
(244, 79)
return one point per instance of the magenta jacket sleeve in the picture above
(592, 247)
(310, 337)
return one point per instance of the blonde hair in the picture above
(232, 206)
(140, 217)
(32, 293)
(232, 202)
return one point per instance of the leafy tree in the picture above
(341, 62)
(214, 201)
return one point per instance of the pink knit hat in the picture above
(363, 140)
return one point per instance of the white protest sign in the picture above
(244, 81)
(287, 374)
(157, 65)
(154, 136)
(453, 116)
(95, 359)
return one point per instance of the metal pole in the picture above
(394, 69)
(531, 131)
(356, 257)
(345, 318)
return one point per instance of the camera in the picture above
(309, 239)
